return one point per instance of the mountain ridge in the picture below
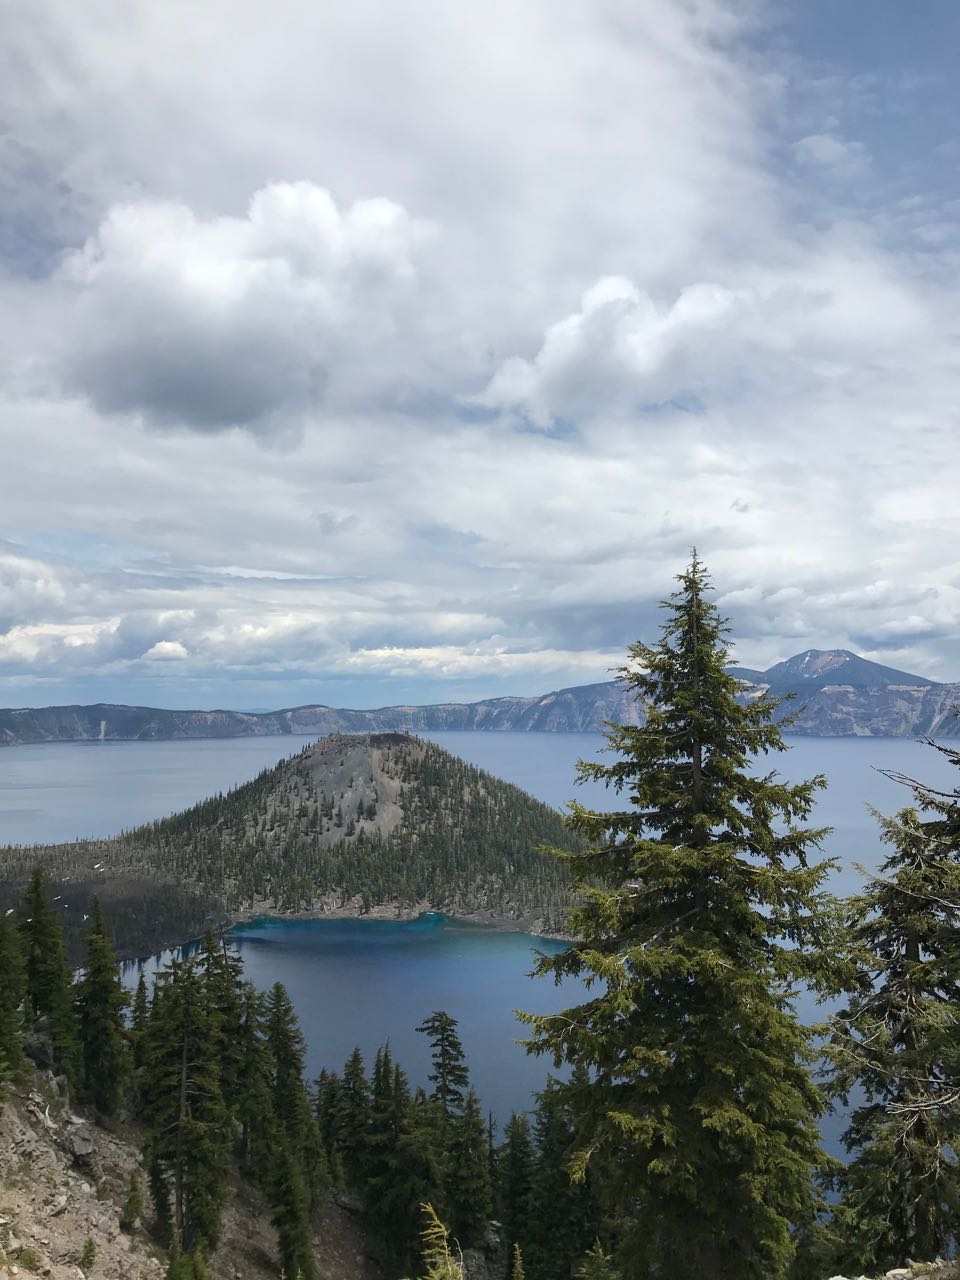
(837, 692)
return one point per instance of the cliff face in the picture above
(836, 693)
(64, 1179)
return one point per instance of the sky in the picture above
(366, 352)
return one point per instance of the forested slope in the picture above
(353, 822)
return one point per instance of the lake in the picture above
(361, 982)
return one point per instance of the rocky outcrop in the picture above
(63, 1181)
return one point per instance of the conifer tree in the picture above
(469, 1195)
(49, 981)
(449, 1077)
(100, 1001)
(697, 912)
(13, 990)
(439, 1260)
(516, 1167)
(597, 1265)
(291, 1217)
(189, 1131)
(516, 1268)
(562, 1218)
(292, 1111)
(140, 1013)
(897, 1042)
(328, 1112)
(354, 1121)
(222, 972)
(253, 1104)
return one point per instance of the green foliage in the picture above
(291, 1217)
(449, 1077)
(29, 1258)
(597, 1265)
(13, 990)
(436, 1249)
(516, 1267)
(100, 1001)
(189, 1127)
(132, 1211)
(516, 1169)
(896, 1043)
(49, 984)
(88, 1255)
(699, 913)
(469, 1194)
(138, 1021)
(562, 1213)
(354, 1120)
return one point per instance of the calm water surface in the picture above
(363, 982)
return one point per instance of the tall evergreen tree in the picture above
(13, 990)
(49, 981)
(516, 1166)
(354, 1121)
(189, 1130)
(562, 1215)
(291, 1217)
(898, 1043)
(697, 912)
(449, 1077)
(222, 972)
(100, 1000)
(253, 1104)
(469, 1194)
(291, 1106)
(140, 1013)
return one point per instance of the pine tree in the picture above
(597, 1265)
(189, 1131)
(697, 913)
(138, 1020)
(897, 1042)
(291, 1217)
(292, 1111)
(328, 1111)
(132, 1210)
(13, 990)
(468, 1179)
(49, 982)
(449, 1077)
(562, 1214)
(354, 1120)
(516, 1167)
(222, 972)
(253, 1103)
(100, 1001)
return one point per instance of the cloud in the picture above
(222, 322)
(610, 353)
(831, 152)
(166, 651)
(534, 298)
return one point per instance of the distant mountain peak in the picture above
(819, 667)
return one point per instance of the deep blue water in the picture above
(364, 982)
(361, 982)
